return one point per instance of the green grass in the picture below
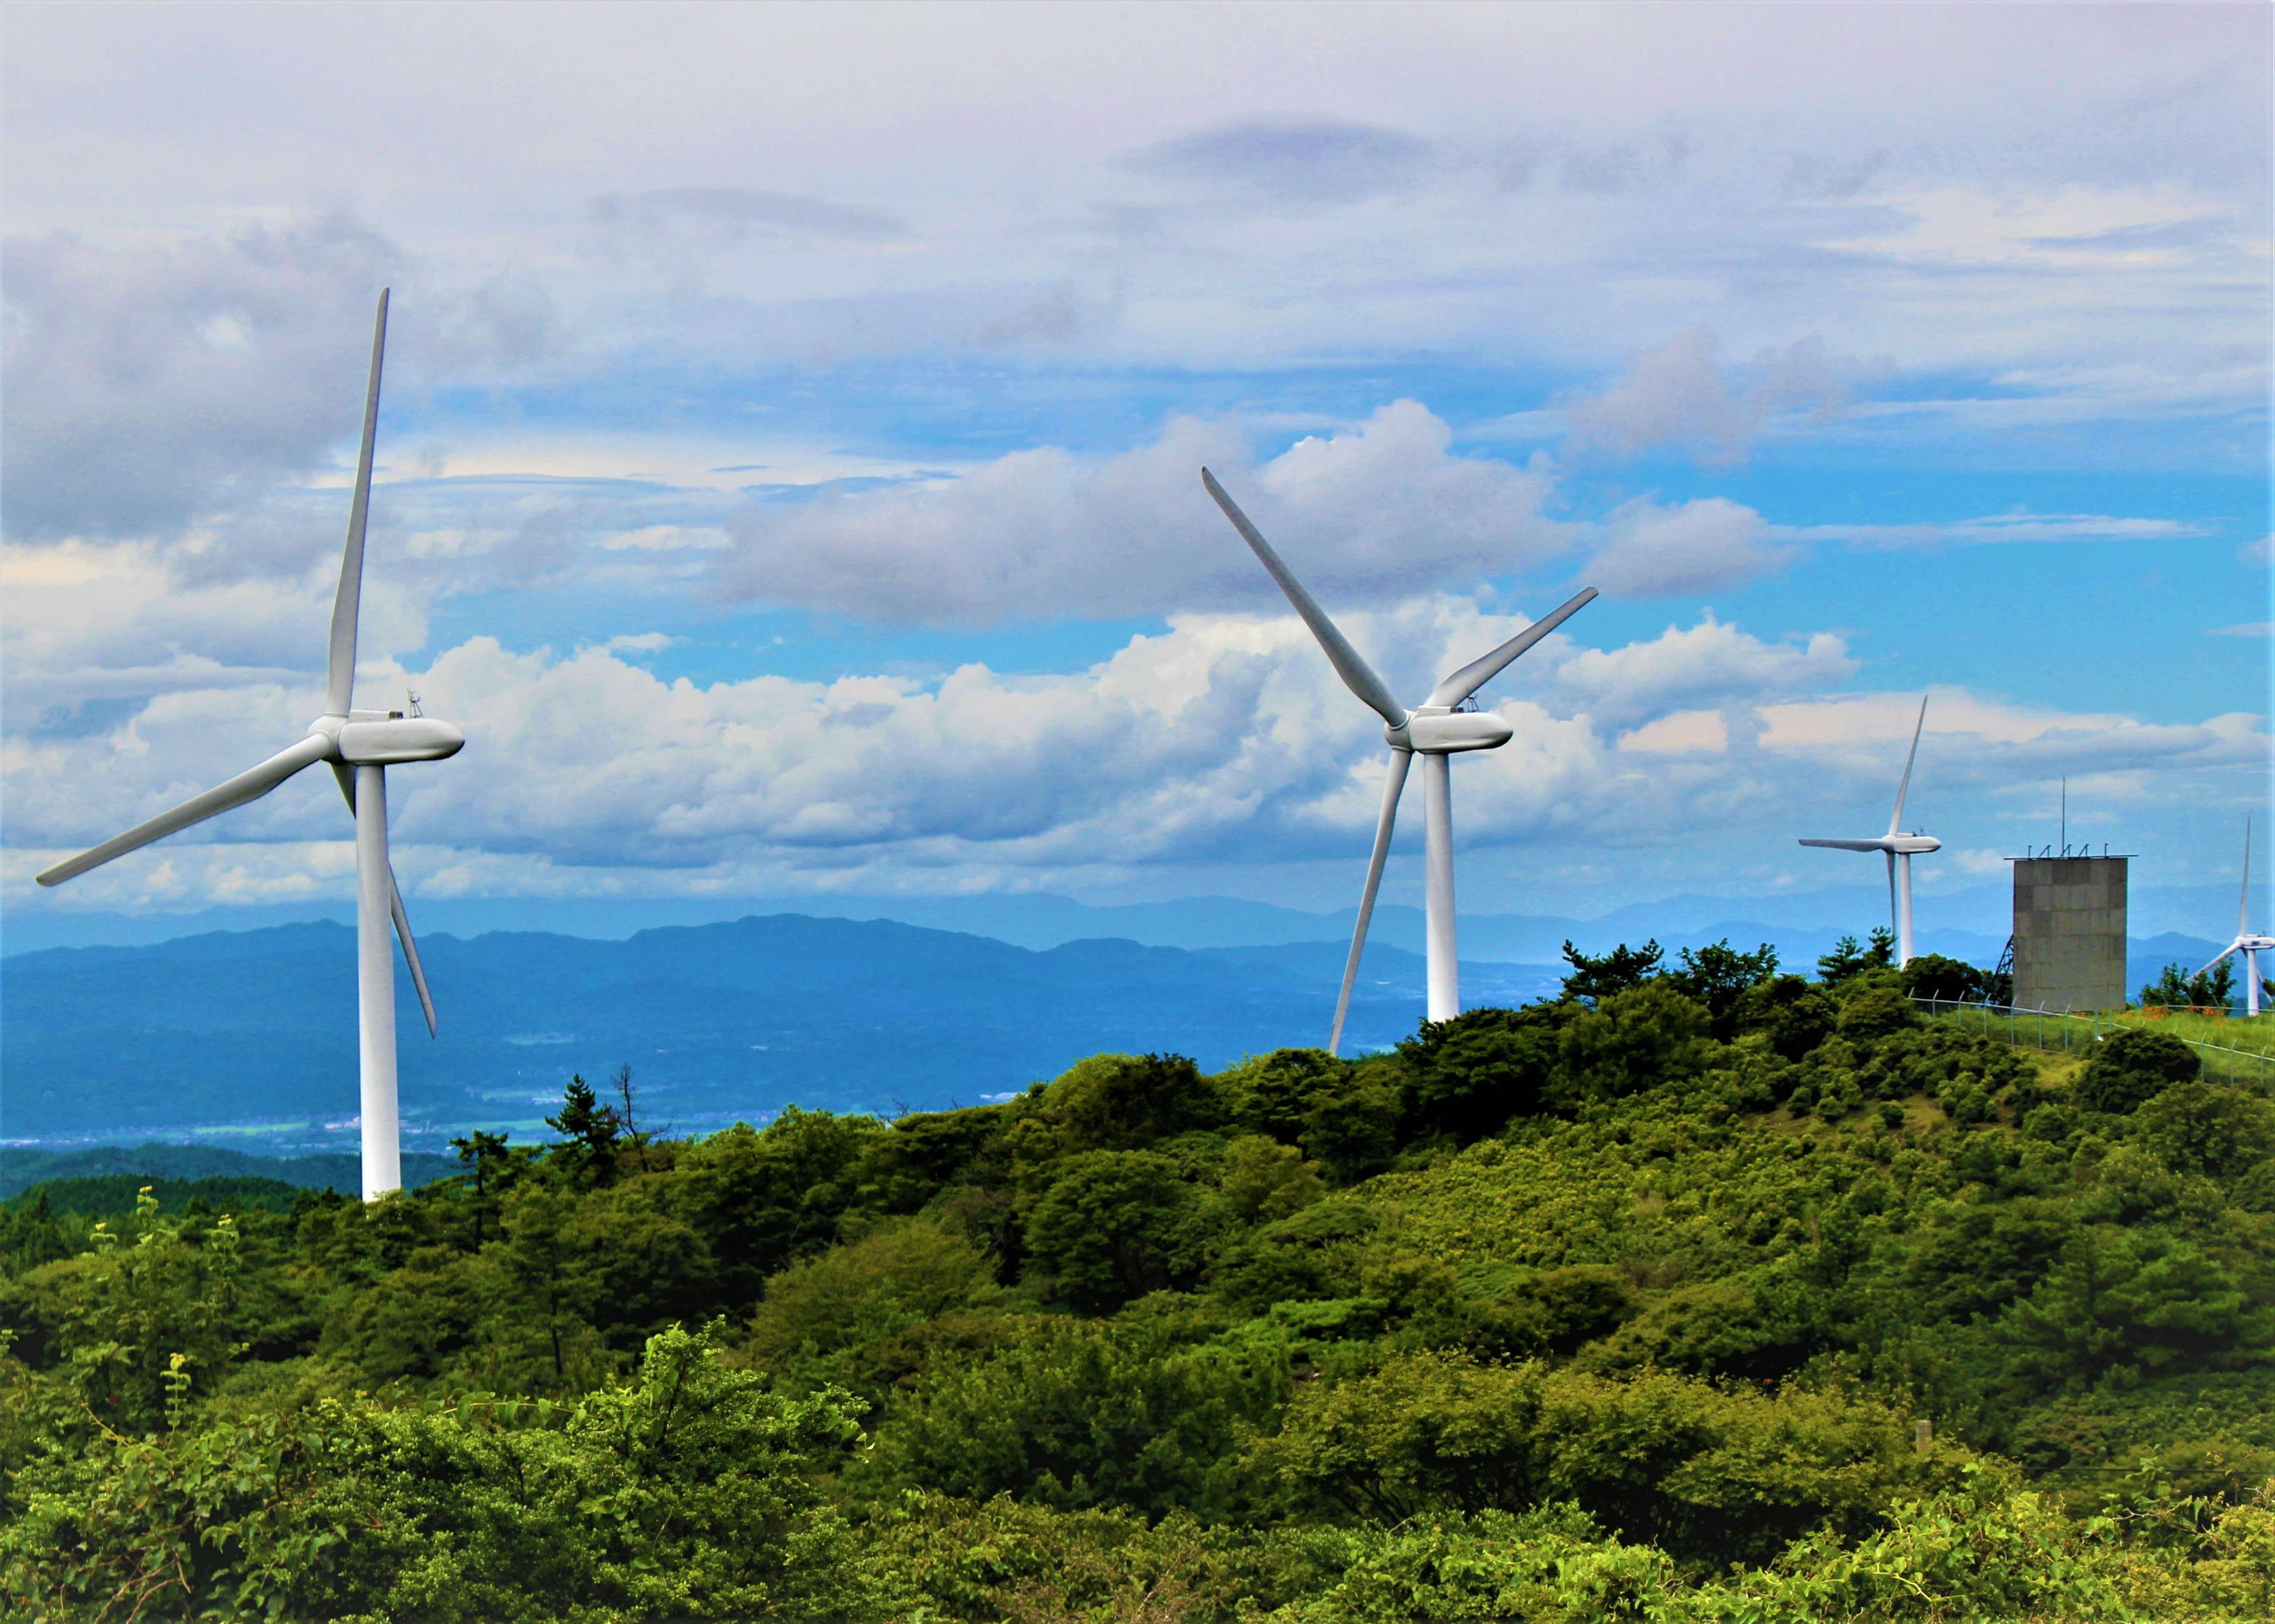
(2231, 1048)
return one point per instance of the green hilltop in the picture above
(1700, 1293)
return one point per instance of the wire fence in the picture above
(2060, 1031)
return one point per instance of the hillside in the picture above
(1554, 1312)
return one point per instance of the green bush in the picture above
(2132, 1066)
(1115, 1225)
(686, 1494)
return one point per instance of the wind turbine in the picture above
(1436, 730)
(360, 746)
(2246, 943)
(1900, 849)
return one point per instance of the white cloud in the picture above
(1995, 529)
(1711, 663)
(1379, 509)
(2079, 227)
(149, 385)
(1680, 733)
(1710, 541)
(1680, 394)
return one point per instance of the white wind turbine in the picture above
(1900, 849)
(359, 746)
(1439, 728)
(2246, 942)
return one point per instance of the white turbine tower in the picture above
(1437, 728)
(359, 746)
(1900, 849)
(2247, 944)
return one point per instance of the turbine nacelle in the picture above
(384, 738)
(1435, 730)
(1899, 845)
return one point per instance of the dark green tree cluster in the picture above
(1552, 1312)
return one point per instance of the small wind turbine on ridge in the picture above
(360, 746)
(1899, 848)
(2251, 946)
(1436, 730)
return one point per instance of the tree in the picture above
(2203, 1128)
(2176, 989)
(1793, 1015)
(1948, 980)
(1116, 1225)
(491, 1166)
(2133, 1067)
(1623, 967)
(1848, 959)
(1715, 975)
(1467, 1076)
(590, 1133)
(632, 1135)
(1631, 1042)
(1129, 1101)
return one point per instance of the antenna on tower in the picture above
(2065, 817)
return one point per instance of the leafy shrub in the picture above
(1697, 1470)
(1793, 1015)
(2132, 1067)
(2204, 1128)
(684, 1494)
(1631, 1042)
(1470, 1075)
(1115, 1225)
(1127, 1101)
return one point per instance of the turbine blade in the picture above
(1904, 788)
(410, 947)
(339, 688)
(1357, 676)
(248, 786)
(1851, 845)
(1478, 673)
(1400, 760)
(1895, 920)
(2215, 957)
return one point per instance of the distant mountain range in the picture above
(1972, 922)
(256, 1029)
(247, 1037)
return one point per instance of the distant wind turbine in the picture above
(2246, 943)
(1434, 730)
(359, 746)
(1900, 849)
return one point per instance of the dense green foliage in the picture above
(1624, 1305)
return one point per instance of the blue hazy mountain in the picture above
(256, 1029)
(1970, 923)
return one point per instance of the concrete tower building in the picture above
(2069, 932)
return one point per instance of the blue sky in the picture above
(790, 461)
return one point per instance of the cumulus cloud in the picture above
(150, 386)
(1655, 552)
(1681, 394)
(1380, 509)
(1308, 161)
(1226, 739)
(1711, 663)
